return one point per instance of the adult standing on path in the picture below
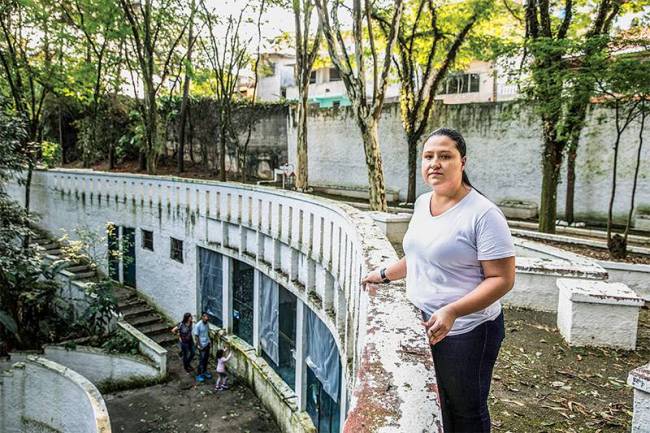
(202, 338)
(459, 261)
(184, 331)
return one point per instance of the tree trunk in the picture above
(180, 167)
(302, 174)
(550, 178)
(222, 153)
(412, 142)
(570, 182)
(377, 188)
(151, 130)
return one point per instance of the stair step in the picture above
(165, 340)
(136, 312)
(145, 320)
(133, 304)
(54, 252)
(82, 275)
(77, 268)
(155, 329)
(49, 246)
(124, 303)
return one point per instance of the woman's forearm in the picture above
(397, 270)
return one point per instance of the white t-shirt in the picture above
(443, 254)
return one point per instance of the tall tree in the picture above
(29, 73)
(180, 167)
(424, 29)
(103, 32)
(551, 42)
(155, 32)
(227, 56)
(353, 72)
(307, 46)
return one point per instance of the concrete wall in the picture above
(97, 366)
(317, 249)
(45, 397)
(504, 153)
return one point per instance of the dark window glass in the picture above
(334, 75)
(211, 285)
(147, 240)
(474, 82)
(323, 411)
(287, 338)
(312, 77)
(176, 250)
(242, 300)
(453, 84)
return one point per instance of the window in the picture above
(312, 77)
(211, 285)
(176, 250)
(462, 83)
(336, 104)
(283, 92)
(147, 240)
(242, 300)
(334, 75)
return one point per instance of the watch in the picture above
(382, 274)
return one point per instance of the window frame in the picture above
(145, 234)
(176, 245)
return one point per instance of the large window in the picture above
(461, 83)
(242, 300)
(211, 285)
(278, 328)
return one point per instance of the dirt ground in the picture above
(541, 384)
(183, 406)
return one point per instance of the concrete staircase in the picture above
(135, 310)
(51, 250)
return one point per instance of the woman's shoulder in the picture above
(481, 205)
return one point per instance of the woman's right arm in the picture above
(394, 271)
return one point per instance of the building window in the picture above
(283, 92)
(312, 77)
(211, 285)
(462, 83)
(335, 75)
(242, 300)
(147, 240)
(176, 250)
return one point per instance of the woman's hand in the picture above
(372, 277)
(439, 324)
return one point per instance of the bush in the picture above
(121, 342)
(51, 154)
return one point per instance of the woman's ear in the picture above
(463, 161)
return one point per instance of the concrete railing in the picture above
(41, 395)
(317, 249)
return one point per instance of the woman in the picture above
(184, 331)
(459, 261)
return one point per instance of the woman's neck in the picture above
(443, 200)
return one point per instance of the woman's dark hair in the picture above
(457, 138)
(220, 353)
(187, 317)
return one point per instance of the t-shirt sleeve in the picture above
(493, 238)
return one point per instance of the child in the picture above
(222, 357)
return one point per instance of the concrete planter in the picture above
(639, 379)
(394, 226)
(518, 209)
(598, 313)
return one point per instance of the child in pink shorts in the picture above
(222, 357)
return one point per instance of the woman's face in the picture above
(442, 165)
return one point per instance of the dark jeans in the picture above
(463, 365)
(188, 353)
(204, 355)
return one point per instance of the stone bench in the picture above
(639, 379)
(597, 313)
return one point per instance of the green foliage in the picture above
(51, 153)
(120, 342)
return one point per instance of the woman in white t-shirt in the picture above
(459, 261)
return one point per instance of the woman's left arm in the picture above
(499, 279)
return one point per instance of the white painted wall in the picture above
(39, 395)
(504, 154)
